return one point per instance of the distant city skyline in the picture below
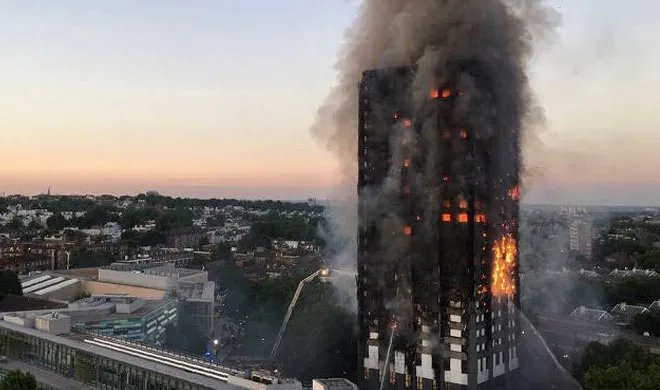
(215, 99)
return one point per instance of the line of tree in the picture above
(276, 226)
(18, 380)
(9, 284)
(619, 365)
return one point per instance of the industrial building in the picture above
(438, 280)
(106, 363)
(134, 301)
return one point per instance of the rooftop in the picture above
(633, 273)
(335, 384)
(42, 284)
(101, 315)
(587, 314)
(197, 291)
(161, 368)
(22, 303)
(623, 309)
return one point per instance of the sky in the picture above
(215, 98)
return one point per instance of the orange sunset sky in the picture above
(191, 100)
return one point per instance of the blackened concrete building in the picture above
(438, 285)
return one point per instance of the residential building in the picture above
(581, 238)
(633, 273)
(625, 313)
(438, 284)
(184, 237)
(583, 313)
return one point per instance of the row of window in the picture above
(98, 371)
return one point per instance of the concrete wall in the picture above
(127, 308)
(137, 279)
(27, 322)
(100, 288)
(66, 293)
(200, 277)
(57, 325)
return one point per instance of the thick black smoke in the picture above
(489, 42)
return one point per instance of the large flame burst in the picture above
(504, 257)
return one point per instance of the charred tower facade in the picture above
(438, 285)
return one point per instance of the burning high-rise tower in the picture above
(438, 286)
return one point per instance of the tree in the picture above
(9, 284)
(623, 376)
(647, 322)
(221, 251)
(56, 222)
(16, 224)
(619, 365)
(17, 380)
(83, 258)
(34, 226)
(216, 220)
(328, 332)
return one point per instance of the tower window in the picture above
(463, 218)
(446, 217)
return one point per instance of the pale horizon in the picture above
(193, 100)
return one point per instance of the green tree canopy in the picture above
(9, 283)
(15, 224)
(83, 258)
(619, 365)
(56, 222)
(274, 226)
(18, 380)
(647, 322)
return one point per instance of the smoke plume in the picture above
(493, 38)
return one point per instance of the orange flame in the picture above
(514, 193)
(446, 217)
(480, 218)
(463, 204)
(504, 254)
(407, 230)
(462, 134)
(406, 163)
(434, 94)
(463, 218)
(446, 93)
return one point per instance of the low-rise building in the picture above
(633, 273)
(109, 363)
(189, 237)
(583, 313)
(333, 384)
(625, 313)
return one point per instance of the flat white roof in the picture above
(41, 285)
(56, 287)
(123, 357)
(35, 281)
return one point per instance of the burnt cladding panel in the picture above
(383, 102)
